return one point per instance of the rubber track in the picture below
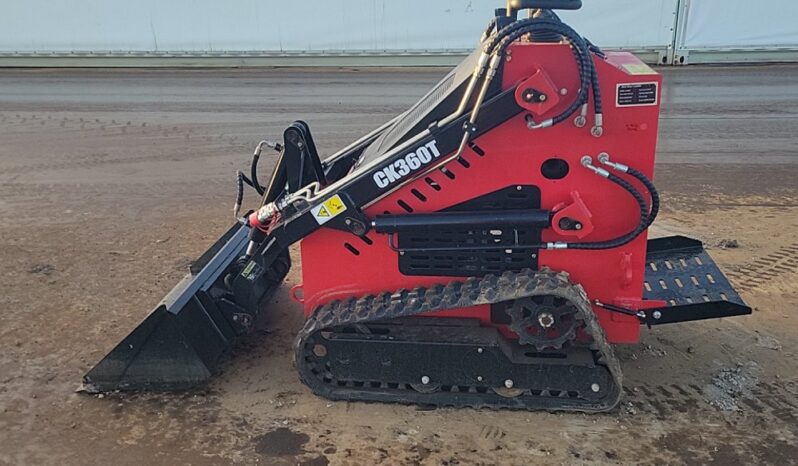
(457, 294)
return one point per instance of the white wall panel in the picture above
(738, 24)
(630, 24)
(29, 26)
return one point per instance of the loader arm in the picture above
(361, 188)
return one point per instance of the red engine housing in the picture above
(337, 265)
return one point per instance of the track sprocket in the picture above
(544, 321)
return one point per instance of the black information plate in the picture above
(634, 94)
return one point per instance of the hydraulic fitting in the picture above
(262, 217)
(598, 128)
(270, 144)
(604, 158)
(581, 120)
(587, 162)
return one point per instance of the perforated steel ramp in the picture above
(680, 272)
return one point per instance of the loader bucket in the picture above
(180, 343)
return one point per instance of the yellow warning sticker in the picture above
(335, 205)
(328, 209)
(638, 68)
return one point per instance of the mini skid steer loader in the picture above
(485, 248)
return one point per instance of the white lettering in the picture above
(401, 167)
(414, 159)
(390, 172)
(433, 146)
(381, 179)
(407, 164)
(423, 155)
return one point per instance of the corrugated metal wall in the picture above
(249, 29)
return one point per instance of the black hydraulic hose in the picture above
(253, 173)
(489, 29)
(492, 41)
(587, 74)
(594, 75)
(595, 48)
(594, 82)
(652, 215)
(546, 37)
(240, 180)
(240, 191)
(582, 49)
(621, 240)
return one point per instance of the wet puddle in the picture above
(281, 442)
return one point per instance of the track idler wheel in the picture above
(425, 388)
(505, 392)
(543, 321)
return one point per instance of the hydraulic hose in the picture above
(240, 180)
(621, 240)
(253, 173)
(597, 107)
(494, 47)
(594, 82)
(652, 215)
(497, 44)
(587, 74)
(604, 158)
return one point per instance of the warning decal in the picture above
(252, 271)
(328, 209)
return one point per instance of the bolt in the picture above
(479, 378)
(563, 91)
(657, 315)
(424, 379)
(348, 222)
(546, 320)
(597, 131)
(542, 97)
(577, 226)
(528, 95)
(595, 387)
(518, 188)
(479, 350)
(508, 383)
(401, 253)
(580, 121)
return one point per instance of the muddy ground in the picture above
(111, 182)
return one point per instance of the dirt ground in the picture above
(111, 182)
